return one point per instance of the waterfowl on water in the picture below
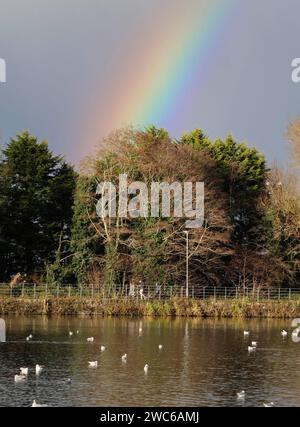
(146, 367)
(246, 333)
(93, 364)
(160, 346)
(251, 349)
(37, 405)
(38, 369)
(20, 378)
(24, 371)
(124, 357)
(268, 405)
(284, 333)
(90, 339)
(241, 395)
(103, 348)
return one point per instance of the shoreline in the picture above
(242, 308)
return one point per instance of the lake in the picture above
(202, 362)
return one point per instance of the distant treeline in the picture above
(49, 229)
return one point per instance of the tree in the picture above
(244, 175)
(250, 235)
(293, 136)
(114, 250)
(36, 197)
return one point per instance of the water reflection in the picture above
(202, 362)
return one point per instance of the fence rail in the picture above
(26, 290)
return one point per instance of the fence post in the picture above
(92, 290)
(236, 293)
(203, 292)
(46, 290)
(34, 290)
(279, 293)
(57, 290)
(290, 293)
(215, 296)
(225, 294)
(69, 291)
(257, 295)
(268, 294)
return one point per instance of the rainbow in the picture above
(168, 67)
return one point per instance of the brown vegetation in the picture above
(236, 308)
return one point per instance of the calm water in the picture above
(202, 363)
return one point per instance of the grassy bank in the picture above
(237, 308)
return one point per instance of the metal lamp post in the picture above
(187, 264)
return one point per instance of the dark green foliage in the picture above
(243, 170)
(36, 197)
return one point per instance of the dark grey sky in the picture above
(62, 55)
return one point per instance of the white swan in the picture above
(124, 357)
(146, 367)
(37, 405)
(246, 333)
(241, 395)
(20, 378)
(284, 333)
(93, 364)
(70, 333)
(90, 339)
(254, 343)
(251, 349)
(24, 371)
(30, 336)
(160, 346)
(103, 348)
(77, 332)
(140, 329)
(38, 369)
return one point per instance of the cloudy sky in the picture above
(77, 69)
